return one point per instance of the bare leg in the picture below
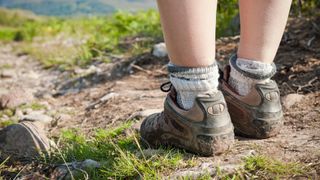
(262, 26)
(189, 31)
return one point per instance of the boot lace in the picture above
(166, 87)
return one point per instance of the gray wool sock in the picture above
(245, 73)
(190, 82)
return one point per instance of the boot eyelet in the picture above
(216, 109)
(272, 96)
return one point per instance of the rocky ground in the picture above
(106, 95)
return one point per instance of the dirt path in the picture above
(95, 97)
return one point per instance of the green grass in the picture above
(6, 123)
(67, 43)
(34, 106)
(6, 66)
(122, 157)
(100, 38)
(70, 42)
(263, 167)
(119, 153)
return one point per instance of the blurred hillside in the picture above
(77, 7)
(68, 42)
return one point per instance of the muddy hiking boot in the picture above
(205, 129)
(259, 113)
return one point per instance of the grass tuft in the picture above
(263, 166)
(120, 154)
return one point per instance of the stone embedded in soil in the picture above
(291, 99)
(37, 116)
(89, 163)
(8, 73)
(91, 70)
(140, 115)
(102, 100)
(76, 168)
(145, 113)
(19, 113)
(59, 172)
(160, 50)
(15, 98)
(205, 169)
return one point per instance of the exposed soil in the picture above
(135, 84)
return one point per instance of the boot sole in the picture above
(264, 129)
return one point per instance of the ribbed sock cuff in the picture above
(190, 82)
(253, 69)
(194, 79)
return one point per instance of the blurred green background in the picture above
(72, 33)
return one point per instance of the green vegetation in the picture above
(6, 123)
(122, 157)
(120, 154)
(227, 18)
(34, 106)
(263, 166)
(6, 117)
(68, 42)
(77, 7)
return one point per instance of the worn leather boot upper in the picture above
(259, 113)
(205, 129)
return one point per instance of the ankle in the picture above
(246, 73)
(190, 82)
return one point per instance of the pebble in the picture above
(145, 113)
(15, 98)
(160, 50)
(18, 113)
(37, 116)
(291, 99)
(8, 73)
(62, 171)
(91, 70)
(59, 172)
(89, 163)
(205, 169)
(102, 100)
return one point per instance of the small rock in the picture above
(205, 169)
(8, 73)
(4, 117)
(160, 50)
(63, 117)
(3, 91)
(91, 70)
(89, 163)
(33, 75)
(37, 116)
(291, 99)
(145, 113)
(102, 100)
(15, 98)
(59, 172)
(74, 170)
(27, 110)
(18, 113)
(140, 115)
